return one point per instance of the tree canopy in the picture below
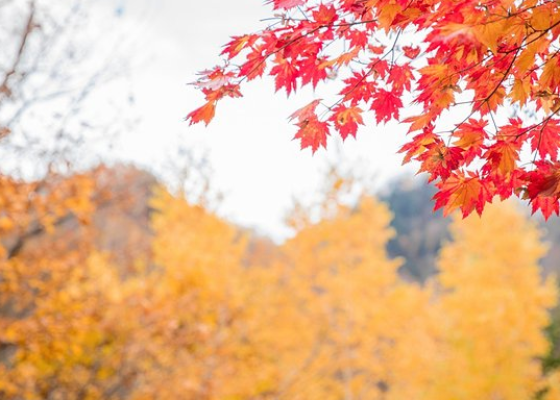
(477, 81)
(132, 295)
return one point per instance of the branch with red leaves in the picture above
(490, 69)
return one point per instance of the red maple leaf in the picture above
(237, 44)
(386, 105)
(204, 113)
(470, 137)
(325, 15)
(400, 77)
(313, 70)
(546, 139)
(502, 157)
(357, 38)
(358, 88)
(254, 66)
(466, 193)
(286, 4)
(418, 145)
(546, 205)
(312, 133)
(543, 187)
(347, 119)
(440, 160)
(307, 112)
(286, 75)
(411, 51)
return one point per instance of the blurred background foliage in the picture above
(112, 287)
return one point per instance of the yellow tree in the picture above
(196, 331)
(59, 298)
(493, 309)
(68, 344)
(350, 303)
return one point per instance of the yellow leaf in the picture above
(489, 33)
(387, 15)
(520, 91)
(550, 76)
(541, 18)
(419, 122)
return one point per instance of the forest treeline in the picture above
(111, 287)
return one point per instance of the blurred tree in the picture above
(55, 59)
(343, 283)
(195, 313)
(494, 308)
(61, 327)
(58, 296)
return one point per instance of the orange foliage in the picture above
(325, 316)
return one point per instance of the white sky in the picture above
(256, 164)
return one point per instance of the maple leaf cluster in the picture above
(479, 86)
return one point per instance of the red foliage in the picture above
(470, 63)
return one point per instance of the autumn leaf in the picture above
(254, 66)
(346, 120)
(546, 139)
(489, 34)
(347, 58)
(520, 91)
(543, 187)
(411, 51)
(237, 44)
(460, 192)
(546, 205)
(386, 105)
(325, 15)
(358, 88)
(400, 78)
(307, 112)
(418, 122)
(286, 75)
(421, 143)
(286, 4)
(315, 73)
(470, 137)
(357, 38)
(440, 160)
(312, 133)
(203, 114)
(502, 156)
(387, 14)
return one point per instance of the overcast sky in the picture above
(256, 163)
